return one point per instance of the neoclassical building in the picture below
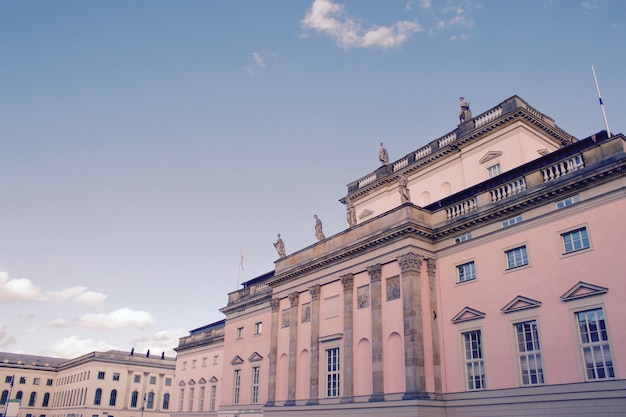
(98, 384)
(480, 274)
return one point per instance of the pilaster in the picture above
(315, 350)
(378, 386)
(294, 299)
(432, 283)
(348, 326)
(271, 392)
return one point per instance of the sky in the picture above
(146, 145)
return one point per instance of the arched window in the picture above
(18, 396)
(166, 402)
(46, 399)
(33, 397)
(150, 400)
(5, 395)
(98, 398)
(113, 398)
(133, 399)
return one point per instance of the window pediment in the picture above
(202, 381)
(236, 360)
(520, 303)
(365, 213)
(467, 314)
(213, 380)
(255, 357)
(181, 383)
(489, 156)
(583, 289)
(191, 382)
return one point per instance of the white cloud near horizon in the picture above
(120, 318)
(327, 17)
(72, 347)
(5, 338)
(16, 290)
(165, 340)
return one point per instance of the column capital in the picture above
(315, 292)
(375, 272)
(294, 298)
(348, 282)
(432, 267)
(410, 262)
(275, 303)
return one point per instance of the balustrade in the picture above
(461, 208)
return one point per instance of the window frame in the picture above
(457, 270)
(256, 383)
(582, 345)
(330, 374)
(491, 170)
(258, 328)
(236, 386)
(505, 257)
(480, 361)
(528, 353)
(564, 253)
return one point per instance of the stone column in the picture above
(432, 282)
(315, 347)
(348, 350)
(129, 377)
(410, 267)
(271, 392)
(378, 386)
(157, 399)
(293, 348)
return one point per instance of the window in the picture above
(493, 170)
(517, 257)
(190, 405)
(137, 378)
(150, 403)
(463, 238)
(166, 401)
(512, 221)
(205, 361)
(256, 372)
(168, 382)
(474, 364)
(46, 399)
(575, 240)
(101, 375)
(594, 344)
(31, 400)
(113, 398)
(22, 380)
(529, 353)
(184, 365)
(466, 272)
(36, 381)
(116, 376)
(333, 387)
(181, 401)
(8, 379)
(213, 397)
(258, 327)
(133, 399)
(239, 333)
(98, 397)
(236, 386)
(5, 396)
(193, 364)
(568, 201)
(201, 399)
(216, 359)
(152, 380)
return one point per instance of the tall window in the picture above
(474, 363)
(191, 395)
(239, 333)
(5, 395)
(213, 397)
(150, 403)
(113, 398)
(101, 375)
(466, 272)
(529, 353)
(333, 387)
(575, 240)
(594, 344)
(98, 397)
(181, 401)
(256, 372)
(31, 400)
(133, 399)
(46, 399)
(258, 327)
(166, 401)
(236, 386)
(516, 257)
(493, 170)
(201, 399)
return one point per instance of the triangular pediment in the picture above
(489, 156)
(520, 303)
(236, 360)
(213, 380)
(255, 357)
(181, 383)
(365, 213)
(543, 152)
(202, 381)
(583, 289)
(467, 314)
(191, 382)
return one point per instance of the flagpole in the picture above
(606, 122)
(240, 266)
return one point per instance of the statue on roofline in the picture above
(464, 113)
(350, 213)
(383, 156)
(280, 247)
(319, 234)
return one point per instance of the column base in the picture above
(289, 403)
(347, 399)
(415, 395)
(270, 403)
(312, 401)
(376, 398)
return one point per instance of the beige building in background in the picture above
(98, 384)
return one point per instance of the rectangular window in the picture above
(36, 381)
(201, 400)
(168, 382)
(239, 333)
(193, 364)
(333, 387)
(474, 364)
(153, 380)
(512, 221)
(529, 353)
(49, 382)
(256, 372)
(137, 378)
(568, 201)
(8, 379)
(516, 257)
(190, 405)
(466, 272)
(184, 365)
(205, 362)
(22, 380)
(258, 327)
(236, 386)
(181, 401)
(101, 375)
(213, 398)
(575, 240)
(216, 359)
(463, 238)
(594, 344)
(116, 377)
(493, 170)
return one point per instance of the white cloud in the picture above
(58, 323)
(5, 338)
(164, 340)
(120, 318)
(258, 59)
(15, 290)
(71, 347)
(327, 17)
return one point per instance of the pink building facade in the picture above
(478, 275)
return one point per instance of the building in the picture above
(112, 383)
(480, 274)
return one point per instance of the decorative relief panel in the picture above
(363, 296)
(393, 288)
(306, 312)
(285, 317)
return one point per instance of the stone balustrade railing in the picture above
(488, 116)
(461, 208)
(563, 167)
(508, 189)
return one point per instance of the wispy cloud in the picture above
(73, 346)
(17, 290)
(5, 338)
(260, 61)
(58, 323)
(165, 340)
(120, 318)
(329, 18)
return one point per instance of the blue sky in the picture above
(144, 144)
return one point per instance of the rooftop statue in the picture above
(405, 195)
(464, 113)
(319, 234)
(383, 156)
(280, 247)
(350, 213)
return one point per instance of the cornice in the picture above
(243, 304)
